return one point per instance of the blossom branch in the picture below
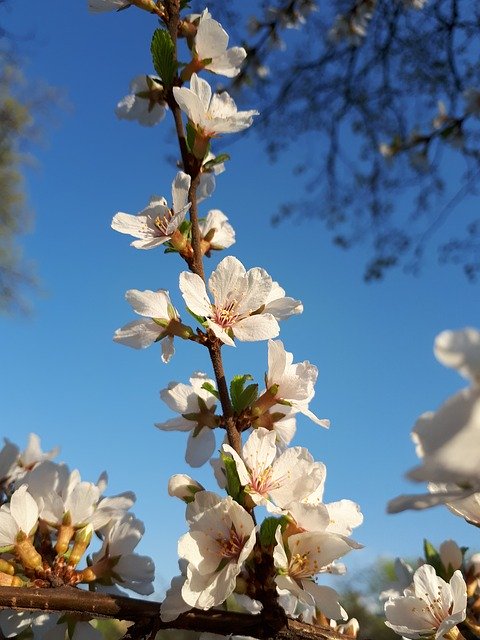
(147, 613)
(233, 432)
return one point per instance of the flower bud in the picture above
(28, 555)
(82, 540)
(184, 487)
(65, 534)
(10, 581)
(7, 567)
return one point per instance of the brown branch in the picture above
(147, 612)
(231, 426)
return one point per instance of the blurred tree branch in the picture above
(21, 107)
(381, 93)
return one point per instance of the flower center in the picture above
(299, 565)
(225, 316)
(162, 222)
(261, 482)
(230, 548)
(435, 606)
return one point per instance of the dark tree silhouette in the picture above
(386, 93)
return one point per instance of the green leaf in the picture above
(190, 136)
(236, 389)
(234, 488)
(433, 557)
(223, 157)
(163, 56)
(208, 386)
(247, 397)
(185, 227)
(184, 4)
(269, 528)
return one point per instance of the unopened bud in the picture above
(28, 555)
(148, 5)
(65, 534)
(10, 581)
(7, 567)
(82, 540)
(184, 487)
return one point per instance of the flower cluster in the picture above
(227, 553)
(231, 558)
(49, 518)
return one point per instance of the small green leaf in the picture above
(247, 397)
(208, 386)
(234, 488)
(433, 557)
(190, 136)
(184, 4)
(223, 157)
(269, 528)
(236, 389)
(185, 227)
(163, 56)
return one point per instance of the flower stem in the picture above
(193, 167)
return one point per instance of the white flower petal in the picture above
(194, 293)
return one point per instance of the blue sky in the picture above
(66, 380)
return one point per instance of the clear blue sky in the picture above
(64, 378)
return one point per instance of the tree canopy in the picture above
(390, 89)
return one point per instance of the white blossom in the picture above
(221, 538)
(461, 351)
(216, 231)
(160, 318)
(64, 499)
(291, 383)
(280, 306)
(448, 440)
(196, 407)
(467, 507)
(270, 479)
(211, 114)
(303, 556)
(184, 487)
(20, 516)
(451, 555)
(430, 608)
(144, 103)
(120, 564)
(14, 465)
(157, 223)
(238, 297)
(211, 42)
(8, 461)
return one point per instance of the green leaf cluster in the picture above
(242, 396)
